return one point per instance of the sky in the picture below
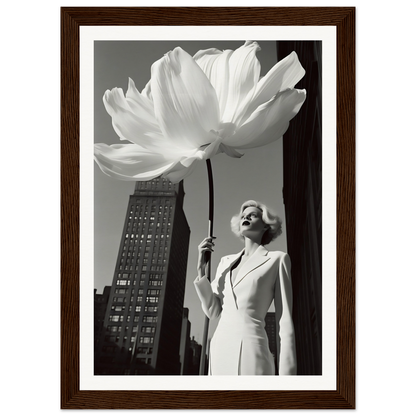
(257, 175)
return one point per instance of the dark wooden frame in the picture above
(71, 395)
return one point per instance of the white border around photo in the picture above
(88, 381)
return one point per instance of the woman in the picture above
(241, 294)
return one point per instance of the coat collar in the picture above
(259, 257)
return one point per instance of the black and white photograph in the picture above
(208, 208)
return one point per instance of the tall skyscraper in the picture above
(143, 320)
(302, 161)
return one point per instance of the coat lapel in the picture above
(255, 261)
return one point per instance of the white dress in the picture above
(240, 344)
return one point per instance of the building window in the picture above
(154, 276)
(123, 282)
(113, 328)
(152, 299)
(116, 318)
(148, 329)
(146, 340)
(150, 318)
(145, 350)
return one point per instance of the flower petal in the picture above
(285, 74)
(186, 166)
(269, 122)
(132, 119)
(129, 162)
(147, 92)
(230, 151)
(215, 64)
(186, 105)
(139, 103)
(244, 72)
(179, 172)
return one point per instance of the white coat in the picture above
(240, 344)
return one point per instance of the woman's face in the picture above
(251, 223)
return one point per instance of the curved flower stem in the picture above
(208, 263)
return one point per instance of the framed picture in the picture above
(308, 176)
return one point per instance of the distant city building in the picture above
(194, 358)
(100, 307)
(302, 192)
(185, 342)
(143, 320)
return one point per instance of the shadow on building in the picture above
(302, 193)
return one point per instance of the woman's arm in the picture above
(210, 301)
(284, 322)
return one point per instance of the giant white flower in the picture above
(195, 107)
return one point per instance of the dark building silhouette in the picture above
(194, 357)
(143, 320)
(185, 342)
(190, 350)
(302, 192)
(100, 307)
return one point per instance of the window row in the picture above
(155, 182)
(115, 339)
(143, 330)
(146, 319)
(122, 299)
(145, 308)
(159, 221)
(149, 251)
(126, 291)
(146, 340)
(152, 276)
(137, 308)
(151, 283)
(159, 268)
(144, 350)
(153, 260)
(143, 360)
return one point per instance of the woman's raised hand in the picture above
(205, 247)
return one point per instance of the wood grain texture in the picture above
(71, 396)
(69, 208)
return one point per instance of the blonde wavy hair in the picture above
(270, 218)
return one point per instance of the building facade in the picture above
(302, 193)
(185, 342)
(142, 325)
(100, 307)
